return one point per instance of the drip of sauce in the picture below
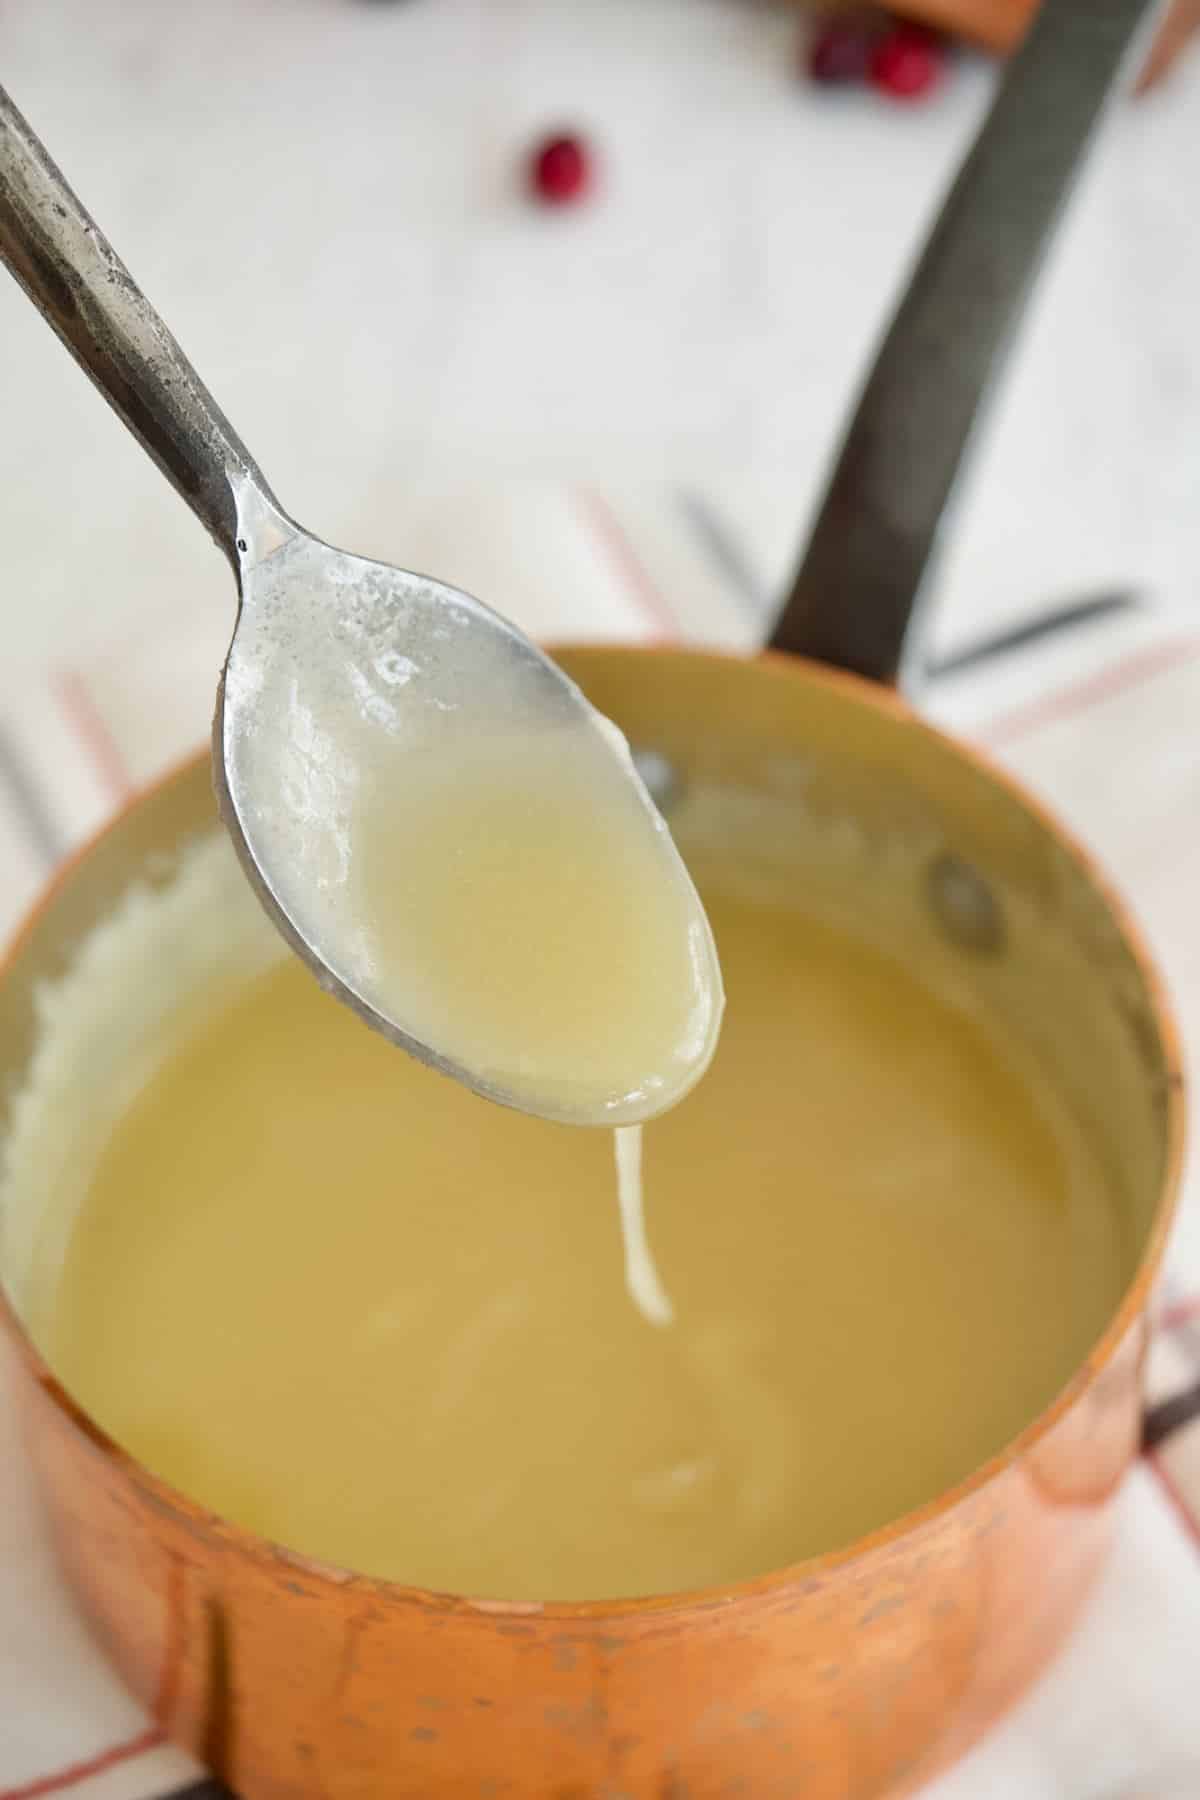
(641, 1272)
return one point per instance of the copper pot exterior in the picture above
(846, 1682)
(850, 1677)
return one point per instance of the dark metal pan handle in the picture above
(856, 593)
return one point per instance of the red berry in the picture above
(906, 61)
(560, 170)
(841, 50)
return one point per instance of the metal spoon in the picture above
(420, 637)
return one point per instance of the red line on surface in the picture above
(150, 1739)
(1180, 1312)
(1184, 1311)
(1171, 1492)
(84, 718)
(636, 577)
(1093, 690)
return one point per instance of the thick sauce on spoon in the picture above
(464, 841)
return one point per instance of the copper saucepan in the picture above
(842, 1678)
(848, 1677)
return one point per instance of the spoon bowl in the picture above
(363, 709)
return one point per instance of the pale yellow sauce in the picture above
(333, 1296)
(520, 903)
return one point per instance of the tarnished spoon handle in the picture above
(878, 525)
(82, 288)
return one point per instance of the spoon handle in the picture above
(84, 291)
(877, 529)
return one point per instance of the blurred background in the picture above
(328, 201)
